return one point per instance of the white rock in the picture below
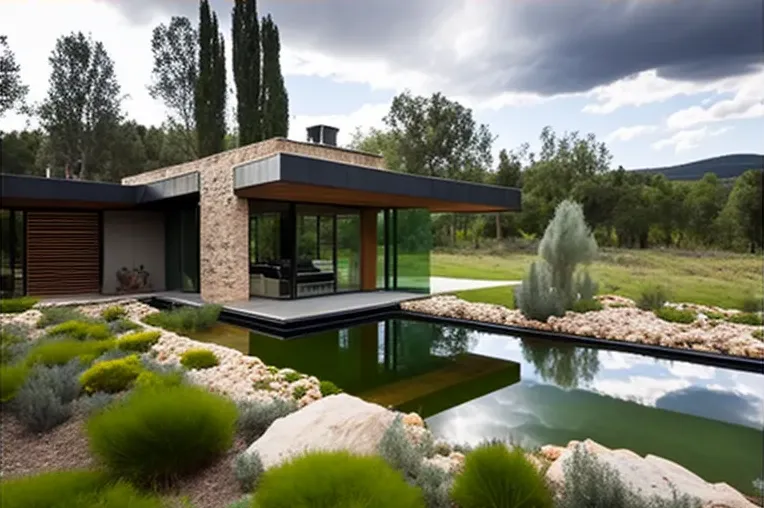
(653, 476)
(337, 422)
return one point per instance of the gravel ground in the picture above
(66, 447)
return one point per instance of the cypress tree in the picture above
(274, 99)
(210, 87)
(246, 70)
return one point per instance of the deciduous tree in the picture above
(82, 110)
(174, 76)
(12, 90)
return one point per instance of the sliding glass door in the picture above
(348, 252)
(182, 249)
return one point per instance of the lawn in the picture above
(711, 278)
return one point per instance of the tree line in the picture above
(84, 132)
(439, 137)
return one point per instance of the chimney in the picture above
(323, 135)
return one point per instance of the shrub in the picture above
(111, 376)
(66, 489)
(592, 484)
(153, 380)
(123, 325)
(91, 404)
(745, 318)
(328, 388)
(244, 502)
(185, 319)
(39, 409)
(163, 369)
(255, 417)
(13, 345)
(50, 490)
(435, 485)
(751, 304)
(158, 435)
(567, 242)
(674, 315)
(495, 476)
(138, 341)
(652, 298)
(583, 306)
(396, 449)
(586, 288)
(17, 305)
(59, 352)
(758, 334)
(113, 313)
(715, 316)
(292, 376)
(12, 378)
(82, 330)
(535, 297)
(335, 479)
(198, 359)
(299, 392)
(113, 354)
(248, 468)
(57, 315)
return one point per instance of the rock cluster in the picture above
(619, 320)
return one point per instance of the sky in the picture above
(662, 82)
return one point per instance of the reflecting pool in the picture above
(471, 386)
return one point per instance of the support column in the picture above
(368, 249)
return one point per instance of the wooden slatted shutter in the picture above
(63, 253)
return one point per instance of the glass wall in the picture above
(12, 253)
(182, 249)
(349, 251)
(271, 248)
(315, 251)
(409, 242)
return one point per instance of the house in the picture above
(278, 219)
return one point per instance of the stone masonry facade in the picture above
(224, 217)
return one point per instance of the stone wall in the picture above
(224, 217)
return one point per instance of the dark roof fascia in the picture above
(286, 167)
(58, 189)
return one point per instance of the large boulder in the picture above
(337, 422)
(653, 476)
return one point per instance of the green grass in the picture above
(709, 278)
(17, 305)
(502, 295)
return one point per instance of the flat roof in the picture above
(23, 191)
(290, 177)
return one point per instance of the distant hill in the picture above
(726, 166)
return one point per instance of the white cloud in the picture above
(647, 88)
(631, 132)
(748, 102)
(369, 115)
(683, 141)
(645, 390)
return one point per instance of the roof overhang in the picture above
(289, 177)
(22, 191)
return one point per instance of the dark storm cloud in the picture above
(548, 47)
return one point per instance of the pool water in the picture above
(472, 386)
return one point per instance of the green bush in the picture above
(153, 380)
(57, 315)
(396, 449)
(12, 378)
(111, 376)
(535, 297)
(95, 402)
(495, 476)
(139, 341)
(752, 304)
(745, 318)
(155, 436)
(299, 392)
(255, 417)
(13, 345)
(583, 306)
(59, 352)
(674, 315)
(248, 468)
(652, 298)
(113, 313)
(185, 319)
(335, 479)
(292, 376)
(435, 485)
(123, 325)
(17, 305)
(329, 388)
(68, 489)
(198, 359)
(758, 334)
(586, 288)
(82, 330)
